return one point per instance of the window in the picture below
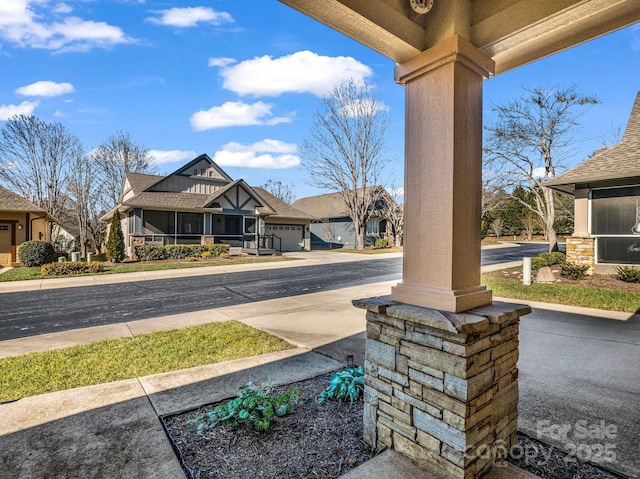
(615, 211)
(190, 223)
(250, 225)
(373, 226)
(158, 222)
(4, 227)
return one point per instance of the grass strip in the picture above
(569, 294)
(127, 358)
(366, 250)
(21, 274)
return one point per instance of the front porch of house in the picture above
(244, 233)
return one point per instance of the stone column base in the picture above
(581, 250)
(441, 387)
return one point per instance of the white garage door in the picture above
(291, 235)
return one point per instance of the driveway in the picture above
(580, 386)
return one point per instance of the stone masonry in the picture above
(581, 250)
(440, 387)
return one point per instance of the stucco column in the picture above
(443, 177)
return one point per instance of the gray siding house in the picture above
(200, 204)
(606, 188)
(332, 226)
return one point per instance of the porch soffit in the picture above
(511, 32)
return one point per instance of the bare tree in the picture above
(344, 151)
(497, 227)
(529, 222)
(114, 157)
(35, 158)
(394, 213)
(82, 186)
(280, 190)
(530, 142)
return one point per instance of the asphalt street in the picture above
(32, 313)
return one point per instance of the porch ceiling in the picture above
(512, 32)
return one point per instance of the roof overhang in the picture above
(511, 32)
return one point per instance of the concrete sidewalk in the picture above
(112, 430)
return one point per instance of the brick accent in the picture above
(581, 250)
(442, 387)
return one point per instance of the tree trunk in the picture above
(360, 238)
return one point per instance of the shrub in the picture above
(223, 255)
(381, 243)
(206, 254)
(573, 270)
(150, 252)
(190, 259)
(255, 408)
(178, 251)
(537, 262)
(66, 268)
(345, 384)
(555, 257)
(628, 274)
(115, 242)
(36, 253)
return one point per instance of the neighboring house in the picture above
(20, 221)
(200, 204)
(333, 226)
(606, 188)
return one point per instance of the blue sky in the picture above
(241, 81)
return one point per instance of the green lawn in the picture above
(127, 358)
(19, 274)
(569, 294)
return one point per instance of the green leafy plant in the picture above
(628, 274)
(36, 253)
(381, 243)
(573, 270)
(179, 251)
(115, 242)
(345, 384)
(556, 257)
(537, 262)
(255, 408)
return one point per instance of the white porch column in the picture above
(443, 177)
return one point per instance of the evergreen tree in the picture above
(115, 242)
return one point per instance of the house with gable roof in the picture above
(200, 204)
(20, 221)
(333, 226)
(606, 189)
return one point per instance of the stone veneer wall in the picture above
(135, 240)
(581, 250)
(441, 388)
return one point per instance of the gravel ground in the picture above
(322, 441)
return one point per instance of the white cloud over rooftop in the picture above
(266, 154)
(190, 17)
(170, 156)
(300, 72)
(45, 88)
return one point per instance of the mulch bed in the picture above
(608, 281)
(316, 441)
(321, 441)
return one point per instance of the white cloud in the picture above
(21, 23)
(24, 108)
(45, 88)
(235, 113)
(538, 172)
(62, 8)
(363, 108)
(300, 72)
(170, 156)
(190, 17)
(267, 154)
(221, 62)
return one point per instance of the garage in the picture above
(292, 236)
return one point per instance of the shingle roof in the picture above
(9, 201)
(140, 182)
(330, 205)
(159, 199)
(618, 162)
(282, 209)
